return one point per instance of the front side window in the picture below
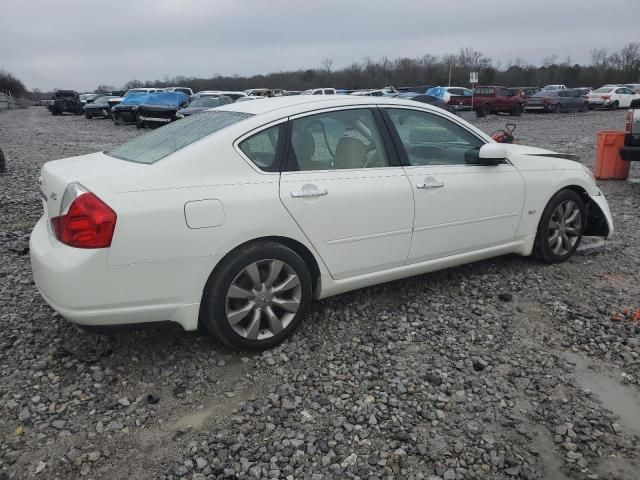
(429, 139)
(262, 148)
(343, 139)
(153, 146)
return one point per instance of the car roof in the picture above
(295, 104)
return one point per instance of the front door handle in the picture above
(309, 193)
(424, 186)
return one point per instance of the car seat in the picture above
(350, 153)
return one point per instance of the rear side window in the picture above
(166, 140)
(262, 148)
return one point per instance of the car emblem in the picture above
(53, 196)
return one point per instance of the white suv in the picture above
(319, 91)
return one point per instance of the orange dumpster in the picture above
(609, 165)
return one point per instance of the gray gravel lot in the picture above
(502, 369)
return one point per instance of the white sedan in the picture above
(611, 96)
(235, 219)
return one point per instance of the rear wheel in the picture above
(561, 227)
(585, 107)
(257, 297)
(87, 116)
(556, 108)
(615, 105)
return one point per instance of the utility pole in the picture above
(449, 73)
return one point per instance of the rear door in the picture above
(347, 191)
(459, 207)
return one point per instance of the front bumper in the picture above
(143, 118)
(81, 287)
(602, 203)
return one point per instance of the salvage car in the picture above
(233, 95)
(160, 108)
(99, 107)
(202, 103)
(556, 101)
(126, 111)
(630, 151)
(65, 101)
(233, 220)
(611, 97)
(489, 99)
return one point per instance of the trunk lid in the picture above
(56, 175)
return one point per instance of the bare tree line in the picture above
(617, 67)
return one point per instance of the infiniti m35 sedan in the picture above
(235, 219)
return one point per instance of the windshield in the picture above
(101, 100)
(547, 93)
(603, 90)
(205, 102)
(164, 141)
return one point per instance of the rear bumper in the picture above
(81, 287)
(631, 154)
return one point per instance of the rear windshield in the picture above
(603, 90)
(164, 141)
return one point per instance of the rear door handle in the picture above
(309, 193)
(425, 186)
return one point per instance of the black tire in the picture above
(213, 312)
(116, 119)
(542, 249)
(87, 116)
(615, 105)
(585, 107)
(556, 108)
(517, 110)
(140, 125)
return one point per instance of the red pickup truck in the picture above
(490, 99)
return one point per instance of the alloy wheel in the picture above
(565, 227)
(263, 299)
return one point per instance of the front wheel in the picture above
(561, 228)
(257, 296)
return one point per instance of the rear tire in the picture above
(615, 105)
(561, 228)
(585, 107)
(257, 296)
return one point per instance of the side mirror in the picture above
(489, 154)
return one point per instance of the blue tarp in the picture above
(135, 98)
(167, 99)
(437, 92)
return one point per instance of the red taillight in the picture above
(628, 121)
(89, 223)
(605, 97)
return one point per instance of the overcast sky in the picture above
(80, 44)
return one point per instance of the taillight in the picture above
(606, 97)
(628, 121)
(85, 221)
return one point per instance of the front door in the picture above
(459, 207)
(343, 189)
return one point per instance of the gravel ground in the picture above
(502, 369)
